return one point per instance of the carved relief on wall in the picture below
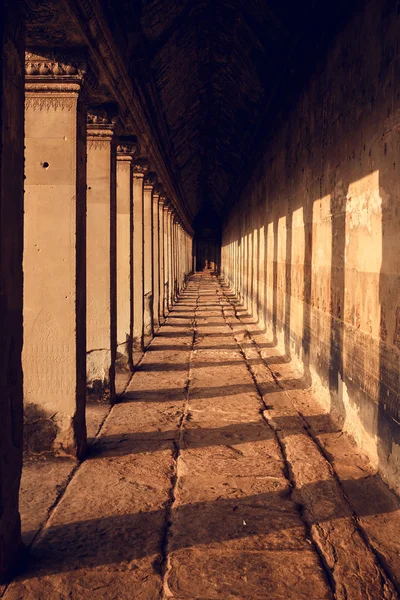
(48, 24)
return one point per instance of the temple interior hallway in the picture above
(213, 479)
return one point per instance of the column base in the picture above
(148, 316)
(100, 376)
(53, 433)
(124, 355)
(137, 350)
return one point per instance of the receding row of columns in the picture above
(77, 332)
(105, 255)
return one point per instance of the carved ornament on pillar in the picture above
(140, 168)
(51, 78)
(158, 190)
(125, 154)
(49, 64)
(101, 123)
(126, 149)
(150, 181)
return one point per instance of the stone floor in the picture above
(215, 478)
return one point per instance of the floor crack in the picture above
(287, 466)
(166, 560)
(308, 430)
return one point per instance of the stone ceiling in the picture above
(206, 72)
(216, 65)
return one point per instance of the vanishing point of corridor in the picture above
(213, 478)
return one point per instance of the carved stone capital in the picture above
(56, 64)
(101, 122)
(100, 116)
(150, 181)
(46, 96)
(158, 190)
(47, 66)
(98, 139)
(126, 151)
(140, 168)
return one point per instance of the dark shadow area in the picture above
(201, 393)
(160, 367)
(207, 240)
(240, 433)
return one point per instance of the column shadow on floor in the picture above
(88, 544)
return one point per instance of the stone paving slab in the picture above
(212, 574)
(209, 480)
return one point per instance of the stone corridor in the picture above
(213, 478)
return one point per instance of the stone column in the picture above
(175, 256)
(170, 260)
(54, 356)
(139, 170)
(101, 255)
(156, 260)
(124, 255)
(161, 205)
(166, 258)
(148, 315)
(11, 241)
(183, 256)
(181, 259)
(178, 258)
(172, 271)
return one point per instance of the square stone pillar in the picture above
(12, 40)
(166, 257)
(181, 259)
(139, 170)
(101, 255)
(178, 259)
(124, 255)
(148, 314)
(161, 238)
(170, 259)
(179, 243)
(54, 358)
(175, 258)
(156, 260)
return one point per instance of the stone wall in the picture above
(312, 244)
